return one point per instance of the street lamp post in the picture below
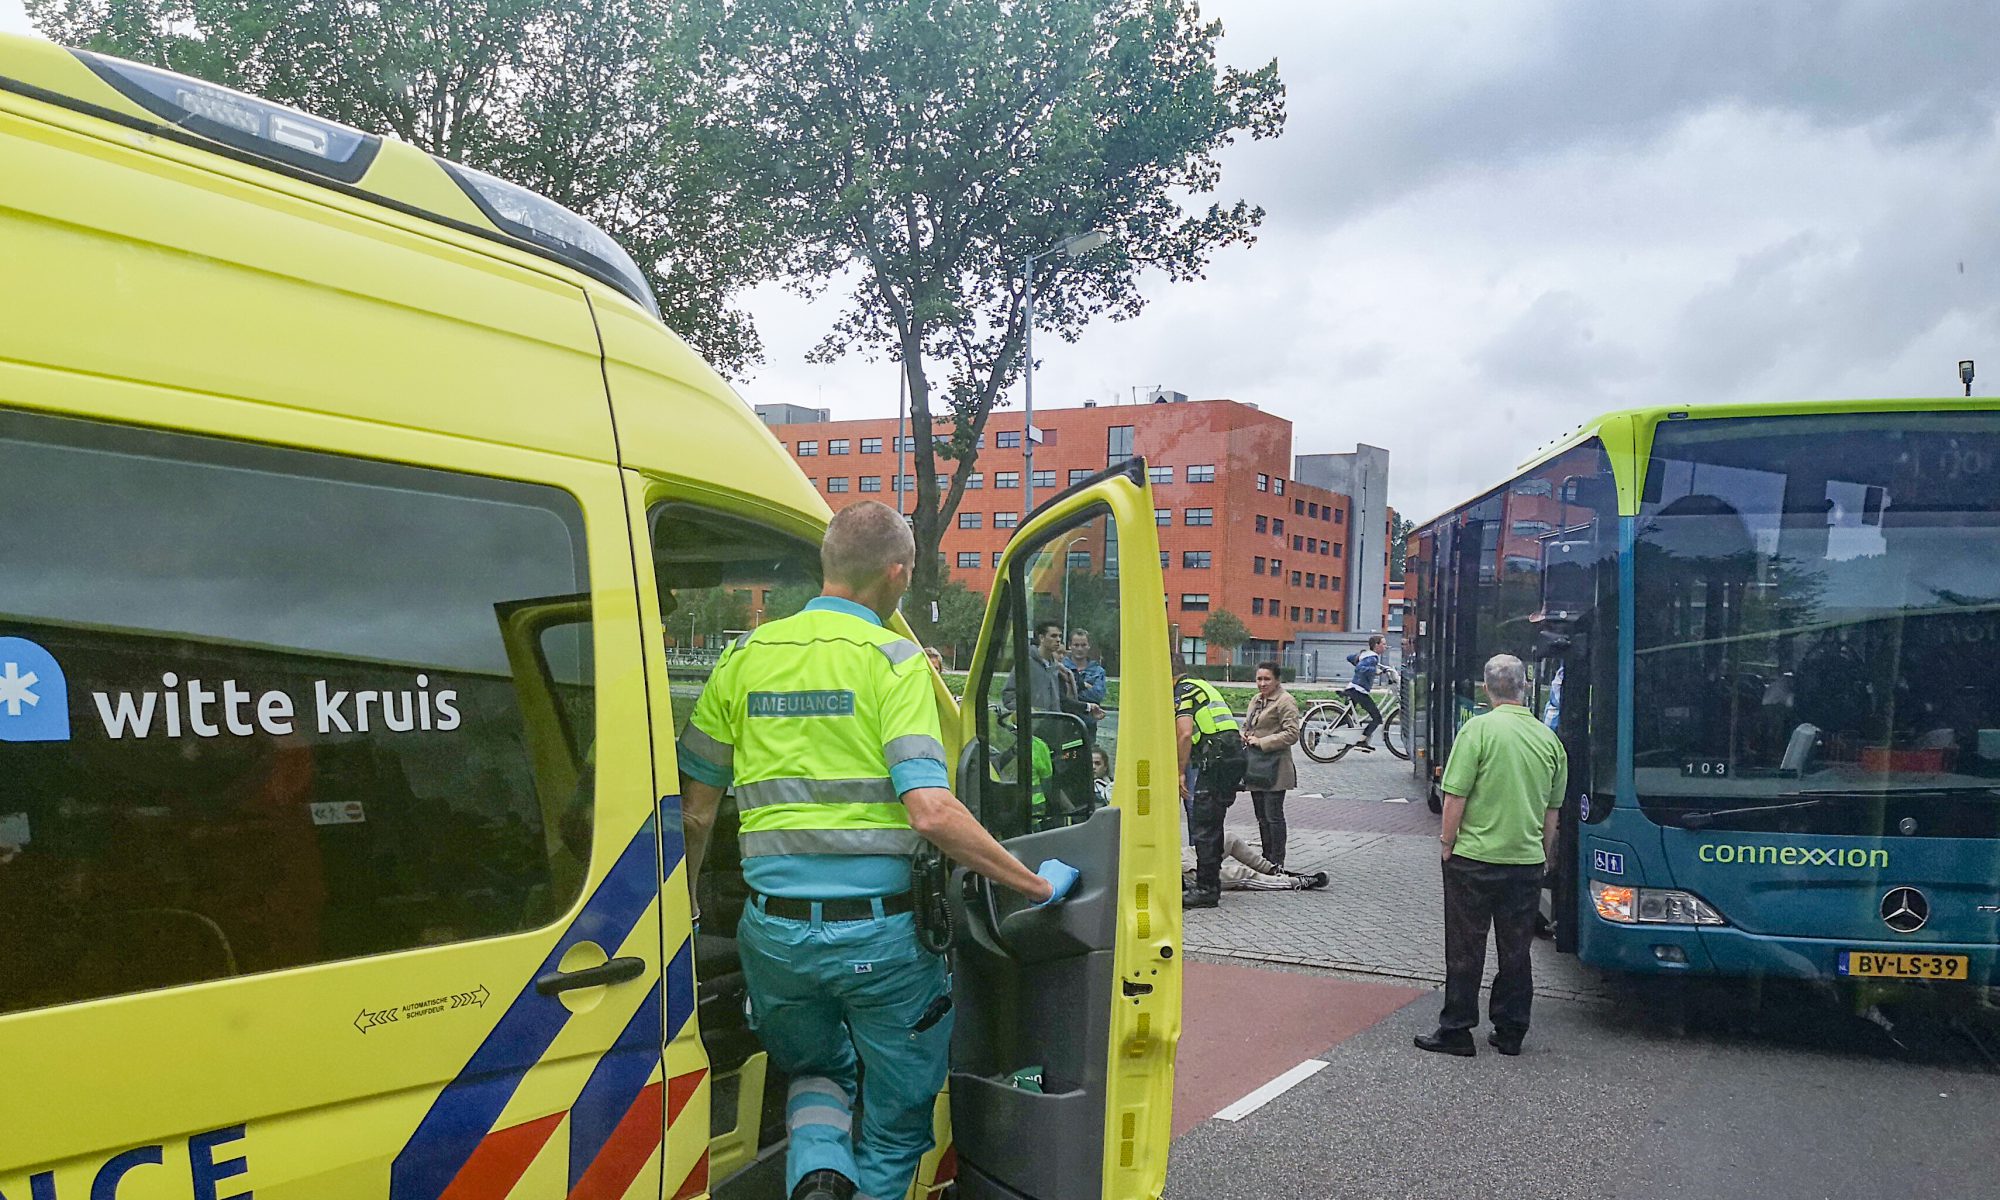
(1073, 247)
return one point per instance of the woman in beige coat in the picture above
(1273, 724)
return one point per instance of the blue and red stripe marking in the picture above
(616, 1123)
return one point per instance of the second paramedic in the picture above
(826, 727)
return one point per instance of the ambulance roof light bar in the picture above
(538, 219)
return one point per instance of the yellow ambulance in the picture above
(364, 540)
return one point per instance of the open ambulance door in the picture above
(1068, 1016)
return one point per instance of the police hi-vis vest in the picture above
(817, 718)
(1203, 700)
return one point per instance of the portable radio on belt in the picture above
(930, 881)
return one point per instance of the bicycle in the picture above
(1328, 730)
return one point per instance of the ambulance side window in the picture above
(718, 577)
(264, 708)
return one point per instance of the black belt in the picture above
(852, 908)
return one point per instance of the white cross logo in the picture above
(16, 688)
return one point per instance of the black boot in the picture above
(1507, 1042)
(824, 1185)
(1447, 1041)
(1195, 897)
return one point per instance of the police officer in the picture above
(1208, 738)
(826, 726)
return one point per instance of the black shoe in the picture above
(1317, 879)
(824, 1185)
(1505, 1043)
(1196, 898)
(1442, 1042)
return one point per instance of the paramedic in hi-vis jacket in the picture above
(825, 726)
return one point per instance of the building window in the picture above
(1257, 565)
(1322, 583)
(1531, 529)
(970, 520)
(968, 559)
(1194, 649)
(1277, 567)
(1298, 508)
(837, 446)
(907, 444)
(996, 559)
(1277, 487)
(904, 483)
(1163, 516)
(1163, 560)
(1312, 510)
(1006, 479)
(836, 483)
(1194, 601)
(1322, 616)
(1325, 547)
(1256, 606)
(1044, 479)
(1340, 516)
(1263, 482)
(808, 449)
(975, 481)
(1079, 560)
(1278, 526)
(1195, 560)
(1272, 605)
(1197, 516)
(1295, 579)
(1008, 439)
(1006, 520)
(1295, 612)
(1533, 487)
(1117, 444)
(1078, 475)
(1336, 551)
(1263, 524)
(871, 445)
(1201, 473)
(1298, 543)
(1159, 474)
(871, 483)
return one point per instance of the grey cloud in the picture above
(1368, 128)
(1552, 345)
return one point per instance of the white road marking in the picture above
(1396, 800)
(1272, 1090)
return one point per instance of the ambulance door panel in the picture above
(1061, 1082)
(341, 826)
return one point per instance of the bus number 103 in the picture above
(1707, 768)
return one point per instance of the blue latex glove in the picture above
(1061, 876)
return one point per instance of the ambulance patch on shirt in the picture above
(802, 704)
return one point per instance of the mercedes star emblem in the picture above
(1905, 909)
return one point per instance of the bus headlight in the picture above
(1625, 905)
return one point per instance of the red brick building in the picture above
(1236, 531)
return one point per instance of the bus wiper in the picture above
(1702, 820)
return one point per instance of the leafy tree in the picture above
(1225, 631)
(924, 148)
(961, 612)
(704, 615)
(1400, 529)
(590, 102)
(788, 599)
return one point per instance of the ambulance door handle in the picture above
(618, 970)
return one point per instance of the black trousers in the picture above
(1367, 701)
(1205, 831)
(1270, 808)
(1479, 896)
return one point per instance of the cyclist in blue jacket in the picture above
(1361, 689)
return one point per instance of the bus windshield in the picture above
(1817, 604)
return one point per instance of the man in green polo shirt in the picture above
(1503, 789)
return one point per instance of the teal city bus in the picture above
(1769, 636)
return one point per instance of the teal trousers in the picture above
(826, 993)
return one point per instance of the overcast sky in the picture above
(1489, 221)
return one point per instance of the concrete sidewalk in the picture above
(1382, 914)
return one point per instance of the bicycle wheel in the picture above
(1321, 733)
(1395, 735)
